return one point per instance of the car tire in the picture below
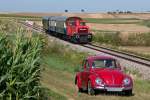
(90, 90)
(128, 92)
(79, 89)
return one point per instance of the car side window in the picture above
(85, 65)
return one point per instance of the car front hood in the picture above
(111, 77)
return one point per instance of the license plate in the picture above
(113, 89)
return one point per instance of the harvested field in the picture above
(129, 28)
(91, 15)
(114, 20)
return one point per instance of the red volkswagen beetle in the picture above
(103, 73)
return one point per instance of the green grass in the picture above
(55, 96)
(114, 38)
(20, 17)
(59, 63)
(145, 23)
(14, 15)
(68, 60)
(113, 21)
(142, 86)
(107, 37)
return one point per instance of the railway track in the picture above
(116, 53)
(120, 54)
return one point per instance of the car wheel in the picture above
(79, 89)
(90, 89)
(128, 92)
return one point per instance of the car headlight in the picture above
(126, 81)
(98, 81)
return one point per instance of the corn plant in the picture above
(20, 67)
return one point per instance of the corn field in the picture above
(20, 67)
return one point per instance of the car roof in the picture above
(99, 57)
(59, 18)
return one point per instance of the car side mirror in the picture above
(83, 64)
(119, 66)
(123, 69)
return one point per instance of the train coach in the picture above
(73, 29)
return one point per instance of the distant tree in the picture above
(82, 10)
(120, 12)
(114, 12)
(129, 12)
(66, 10)
(109, 12)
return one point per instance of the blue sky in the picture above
(73, 5)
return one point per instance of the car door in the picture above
(85, 74)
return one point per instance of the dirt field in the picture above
(91, 15)
(130, 28)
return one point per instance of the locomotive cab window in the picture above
(82, 24)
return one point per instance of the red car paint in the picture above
(111, 79)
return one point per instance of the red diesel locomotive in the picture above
(73, 29)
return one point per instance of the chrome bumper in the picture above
(113, 89)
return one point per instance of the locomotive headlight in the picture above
(126, 81)
(77, 36)
(98, 81)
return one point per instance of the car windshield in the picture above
(104, 63)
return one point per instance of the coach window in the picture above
(49, 23)
(72, 23)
